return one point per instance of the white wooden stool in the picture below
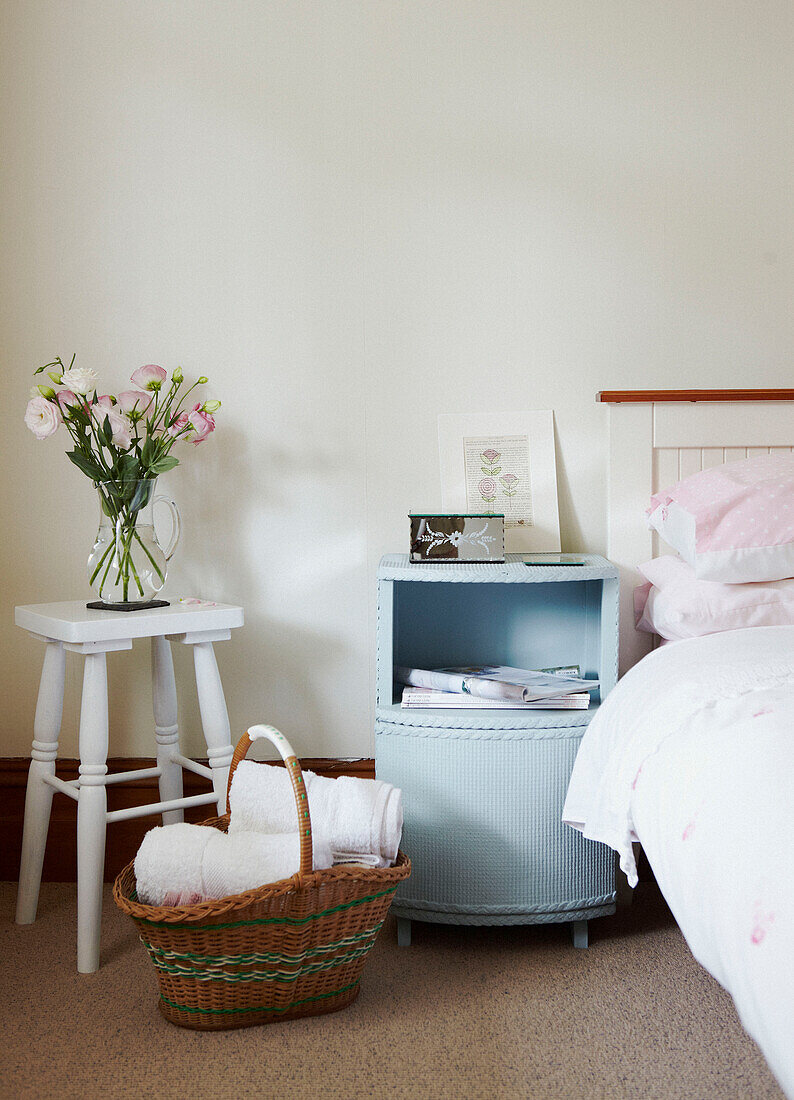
(95, 633)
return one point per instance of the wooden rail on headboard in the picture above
(637, 397)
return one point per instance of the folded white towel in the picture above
(363, 816)
(185, 864)
(364, 858)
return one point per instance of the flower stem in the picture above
(157, 568)
(107, 567)
(131, 563)
(99, 564)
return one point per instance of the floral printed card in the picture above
(498, 481)
(503, 463)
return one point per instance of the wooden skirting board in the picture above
(123, 837)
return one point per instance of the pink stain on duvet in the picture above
(687, 833)
(763, 711)
(636, 777)
(761, 924)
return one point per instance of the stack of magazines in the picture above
(495, 687)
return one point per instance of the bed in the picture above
(692, 754)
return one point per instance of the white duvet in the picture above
(692, 754)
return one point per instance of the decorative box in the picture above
(448, 538)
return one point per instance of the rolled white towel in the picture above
(234, 864)
(362, 816)
(261, 799)
(368, 816)
(185, 864)
(168, 864)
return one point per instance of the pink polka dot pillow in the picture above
(732, 523)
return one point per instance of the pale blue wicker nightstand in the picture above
(483, 790)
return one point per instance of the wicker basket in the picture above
(291, 948)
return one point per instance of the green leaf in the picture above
(87, 465)
(142, 495)
(107, 431)
(127, 468)
(163, 465)
(147, 451)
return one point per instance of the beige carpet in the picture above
(464, 1013)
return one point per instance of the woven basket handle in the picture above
(296, 777)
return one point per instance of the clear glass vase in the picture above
(127, 564)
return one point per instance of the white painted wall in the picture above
(354, 216)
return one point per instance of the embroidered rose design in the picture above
(490, 457)
(488, 489)
(509, 481)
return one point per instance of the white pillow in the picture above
(676, 604)
(732, 523)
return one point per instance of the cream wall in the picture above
(354, 216)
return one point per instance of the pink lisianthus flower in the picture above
(66, 399)
(150, 377)
(42, 417)
(120, 427)
(119, 424)
(201, 423)
(134, 401)
(177, 425)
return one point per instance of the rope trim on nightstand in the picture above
(429, 728)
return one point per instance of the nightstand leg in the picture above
(579, 933)
(38, 797)
(214, 718)
(166, 727)
(403, 932)
(91, 810)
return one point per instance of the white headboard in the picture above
(657, 437)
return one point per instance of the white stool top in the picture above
(74, 622)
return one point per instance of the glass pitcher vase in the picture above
(127, 564)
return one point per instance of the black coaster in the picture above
(98, 605)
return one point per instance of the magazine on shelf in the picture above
(495, 682)
(418, 698)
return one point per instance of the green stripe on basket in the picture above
(187, 927)
(256, 1008)
(218, 975)
(159, 952)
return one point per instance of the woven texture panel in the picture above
(483, 827)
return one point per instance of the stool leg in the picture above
(214, 718)
(38, 797)
(166, 727)
(91, 810)
(403, 932)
